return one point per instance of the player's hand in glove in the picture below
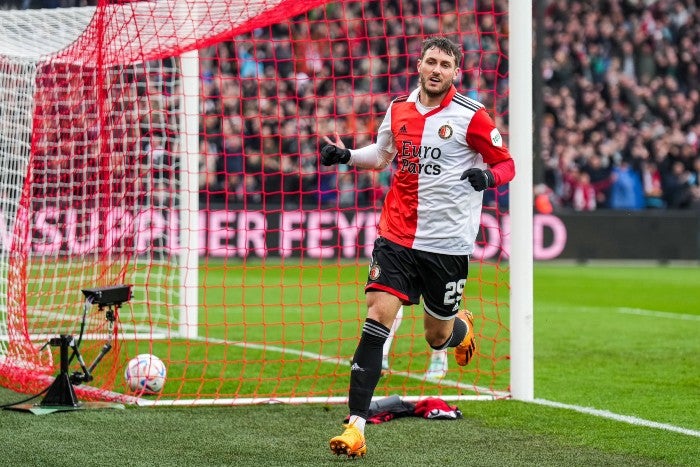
(479, 179)
(332, 154)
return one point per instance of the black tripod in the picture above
(61, 392)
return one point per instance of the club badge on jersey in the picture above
(374, 272)
(445, 132)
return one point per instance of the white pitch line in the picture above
(342, 361)
(585, 410)
(618, 418)
(658, 314)
(628, 311)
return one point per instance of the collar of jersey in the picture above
(413, 97)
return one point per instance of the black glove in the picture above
(331, 154)
(480, 179)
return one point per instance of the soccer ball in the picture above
(145, 374)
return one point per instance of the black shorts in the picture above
(411, 274)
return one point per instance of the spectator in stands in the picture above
(347, 188)
(208, 158)
(232, 158)
(248, 65)
(651, 181)
(694, 181)
(600, 179)
(678, 192)
(583, 196)
(543, 199)
(626, 191)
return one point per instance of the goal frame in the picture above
(521, 215)
(520, 234)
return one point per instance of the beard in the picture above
(444, 87)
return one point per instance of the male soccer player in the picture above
(448, 152)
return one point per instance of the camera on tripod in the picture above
(61, 392)
(106, 296)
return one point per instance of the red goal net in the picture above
(173, 146)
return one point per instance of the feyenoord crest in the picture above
(445, 132)
(374, 272)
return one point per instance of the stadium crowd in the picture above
(334, 70)
(622, 101)
(620, 96)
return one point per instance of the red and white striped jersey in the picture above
(428, 207)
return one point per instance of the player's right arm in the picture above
(375, 156)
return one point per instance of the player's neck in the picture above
(428, 101)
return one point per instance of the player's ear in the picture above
(418, 65)
(456, 74)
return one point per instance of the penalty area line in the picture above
(617, 417)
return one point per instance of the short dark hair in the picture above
(443, 44)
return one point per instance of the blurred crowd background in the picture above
(621, 94)
(617, 97)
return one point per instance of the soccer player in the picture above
(448, 152)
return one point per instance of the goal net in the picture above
(173, 146)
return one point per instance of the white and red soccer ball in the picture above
(145, 374)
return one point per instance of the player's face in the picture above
(437, 71)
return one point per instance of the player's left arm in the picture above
(484, 138)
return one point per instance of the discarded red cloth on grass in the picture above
(435, 408)
(389, 408)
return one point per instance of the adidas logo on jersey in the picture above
(403, 129)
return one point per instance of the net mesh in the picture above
(99, 167)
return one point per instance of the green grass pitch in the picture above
(619, 339)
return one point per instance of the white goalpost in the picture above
(189, 196)
(521, 210)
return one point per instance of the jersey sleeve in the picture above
(484, 138)
(377, 155)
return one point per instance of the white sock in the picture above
(392, 333)
(359, 423)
